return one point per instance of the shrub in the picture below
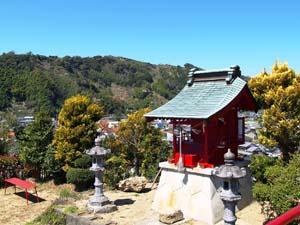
(259, 165)
(115, 171)
(84, 162)
(278, 191)
(52, 168)
(10, 166)
(82, 178)
(59, 177)
(151, 159)
(3, 147)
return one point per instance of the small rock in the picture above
(135, 184)
(93, 218)
(171, 216)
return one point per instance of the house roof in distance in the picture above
(205, 94)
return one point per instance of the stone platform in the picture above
(196, 192)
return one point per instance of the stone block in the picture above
(134, 184)
(171, 216)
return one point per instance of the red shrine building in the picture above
(205, 116)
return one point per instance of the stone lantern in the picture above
(99, 203)
(229, 173)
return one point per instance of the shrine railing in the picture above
(286, 217)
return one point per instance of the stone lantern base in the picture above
(196, 192)
(100, 204)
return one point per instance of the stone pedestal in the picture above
(196, 192)
(100, 205)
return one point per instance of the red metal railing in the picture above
(286, 217)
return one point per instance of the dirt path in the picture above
(133, 208)
(14, 210)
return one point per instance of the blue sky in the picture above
(209, 34)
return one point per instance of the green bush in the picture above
(84, 162)
(3, 147)
(82, 178)
(10, 166)
(259, 165)
(115, 171)
(277, 189)
(157, 151)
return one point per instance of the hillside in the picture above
(122, 85)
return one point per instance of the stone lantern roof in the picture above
(97, 149)
(229, 170)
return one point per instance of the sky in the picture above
(211, 34)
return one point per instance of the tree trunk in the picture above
(136, 165)
(286, 153)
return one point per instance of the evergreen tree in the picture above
(142, 142)
(77, 128)
(278, 94)
(35, 140)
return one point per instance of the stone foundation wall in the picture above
(196, 193)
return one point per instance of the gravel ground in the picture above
(133, 208)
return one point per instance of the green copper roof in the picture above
(206, 93)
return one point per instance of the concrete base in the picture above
(100, 204)
(196, 192)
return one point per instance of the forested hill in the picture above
(122, 85)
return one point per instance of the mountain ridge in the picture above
(122, 85)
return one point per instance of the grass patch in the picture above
(49, 217)
(70, 209)
(66, 194)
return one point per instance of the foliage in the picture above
(116, 170)
(10, 166)
(84, 162)
(278, 190)
(70, 209)
(156, 151)
(59, 177)
(77, 128)
(3, 147)
(43, 83)
(258, 166)
(50, 217)
(116, 163)
(140, 145)
(82, 178)
(278, 93)
(35, 140)
(131, 133)
(52, 168)
(13, 147)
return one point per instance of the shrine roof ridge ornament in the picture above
(206, 94)
(229, 75)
